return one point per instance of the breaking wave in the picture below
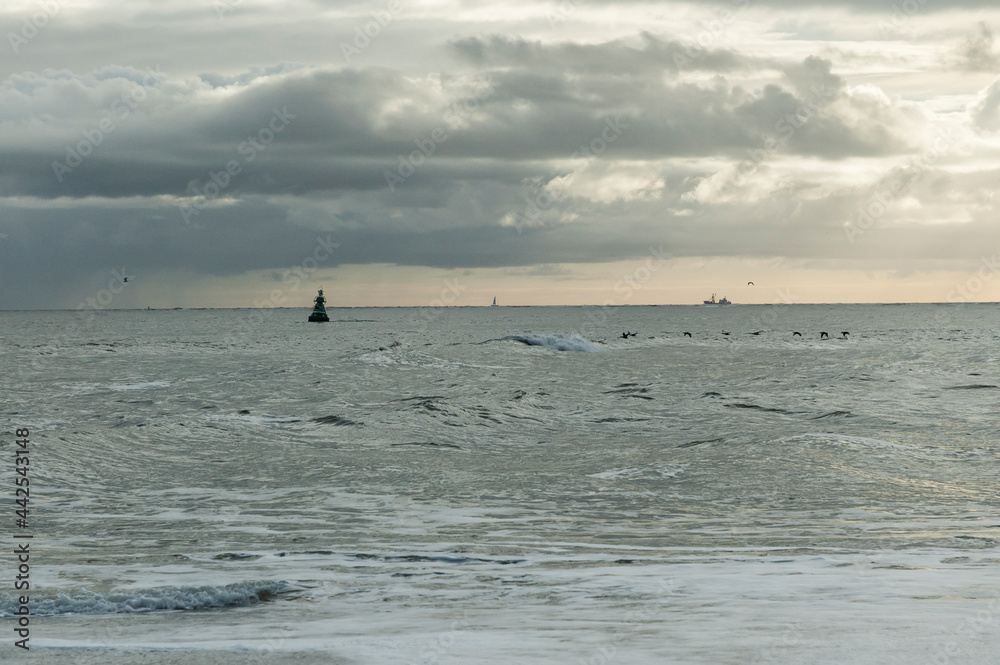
(558, 342)
(147, 600)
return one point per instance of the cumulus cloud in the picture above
(986, 110)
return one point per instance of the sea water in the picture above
(507, 485)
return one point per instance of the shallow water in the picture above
(510, 484)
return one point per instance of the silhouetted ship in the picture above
(713, 301)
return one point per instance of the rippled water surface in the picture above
(510, 484)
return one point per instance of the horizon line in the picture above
(305, 308)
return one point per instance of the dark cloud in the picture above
(169, 138)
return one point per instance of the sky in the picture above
(243, 153)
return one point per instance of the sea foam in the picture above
(558, 342)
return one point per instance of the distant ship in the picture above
(494, 302)
(319, 310)
(713, 301)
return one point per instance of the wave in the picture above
(844, 440)
(140, 386)
(756, 407)
(147, 600)
(339, 421)
(557, 342)
(974, 386)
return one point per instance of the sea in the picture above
(418, 486)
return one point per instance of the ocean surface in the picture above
(507, 485)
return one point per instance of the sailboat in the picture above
(494, 302)
(319, 310)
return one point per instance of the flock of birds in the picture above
(823, 335)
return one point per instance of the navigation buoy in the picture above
(319, 310)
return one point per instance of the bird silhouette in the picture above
(687, 334)
(796, 333)
(823, 335)
(749, 283)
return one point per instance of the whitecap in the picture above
(558, 342)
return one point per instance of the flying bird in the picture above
(796, 333)
(749, 283)
(823, 335)
(687, 334)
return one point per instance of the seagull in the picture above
(125, 280)
(845, 334)
(749, 283)
(725, 333)
(823, 335)
(687, 334)
(796, 333)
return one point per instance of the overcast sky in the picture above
(242, 152)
